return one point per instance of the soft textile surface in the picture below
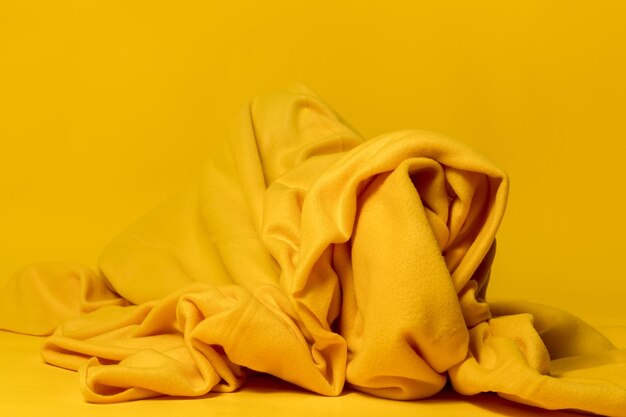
(313, 255)
(29, 388)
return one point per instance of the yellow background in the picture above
(108, 107)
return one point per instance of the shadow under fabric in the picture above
(324, 259)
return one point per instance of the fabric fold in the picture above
(507, 355)
(309, 253)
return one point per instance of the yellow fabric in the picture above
(310, 254)
(32, 388)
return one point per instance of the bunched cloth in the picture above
(309, 253)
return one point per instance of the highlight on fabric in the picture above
(309, 253)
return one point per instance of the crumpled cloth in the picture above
(311, 254)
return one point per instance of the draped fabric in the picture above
(309, 253)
